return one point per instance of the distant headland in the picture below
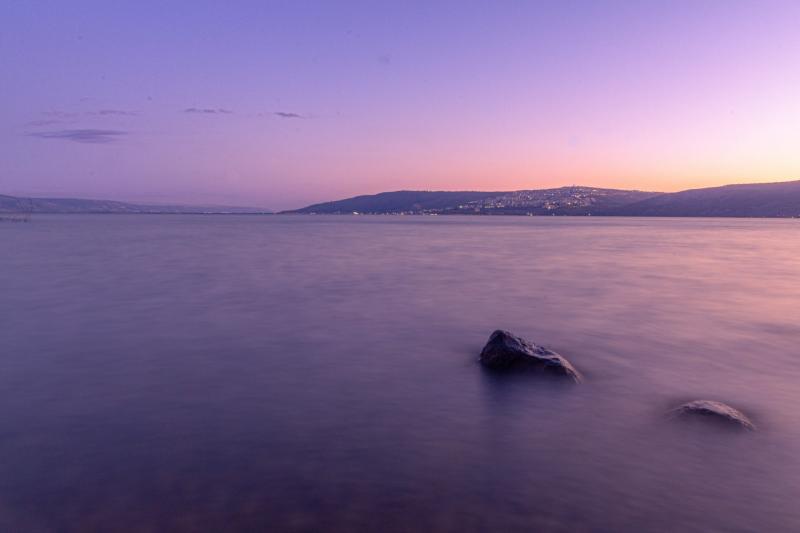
(29, 206)
(773, 200)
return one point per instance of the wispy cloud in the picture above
(208, 111)
(89, 136)
(46, 122)
(56, 116)
(287, 114)
(118, 112)
(61, 114)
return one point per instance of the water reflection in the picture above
(320, 373)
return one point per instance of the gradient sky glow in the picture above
(281, 104)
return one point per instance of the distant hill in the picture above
(397, 202)
(14, 204)
(751, 200)
(560, 201)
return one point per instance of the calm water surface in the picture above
(245, 373)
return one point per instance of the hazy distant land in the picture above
(767, 200)
(14, 204)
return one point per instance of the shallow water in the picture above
(209, 373)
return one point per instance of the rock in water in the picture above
(506, 351)
(717, 410)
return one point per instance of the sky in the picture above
(282, 104)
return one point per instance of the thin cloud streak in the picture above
(287, 114)
(71, 115)
(208, 111)
(46, 122)
(87, 136)
(61, 114)
(119, 112)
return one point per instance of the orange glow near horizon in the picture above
(276, 110)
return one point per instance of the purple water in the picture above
(247, 373)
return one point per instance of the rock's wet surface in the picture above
(714, 411)
(506, 351)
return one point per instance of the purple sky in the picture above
(280, 104)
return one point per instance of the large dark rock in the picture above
(714, 411)
(506, 351)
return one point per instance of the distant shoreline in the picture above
(758, 200)
(9, 217)
(66, 206)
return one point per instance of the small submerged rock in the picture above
(716, 410)
(505, 351)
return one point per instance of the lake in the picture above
(302, 373)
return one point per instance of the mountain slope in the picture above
(750, 200)
(560, 201)
(397, 202)
(574, 200)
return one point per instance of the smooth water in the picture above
(271, 373)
